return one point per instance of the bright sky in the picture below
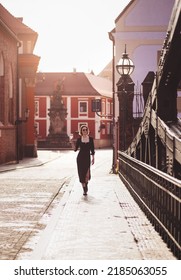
(71, 33)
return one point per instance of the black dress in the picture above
(83, 158)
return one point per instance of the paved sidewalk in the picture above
(44, 156)
(107, 224)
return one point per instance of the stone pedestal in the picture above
(58, 141)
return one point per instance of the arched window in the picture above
(10, 96)
(1, 89)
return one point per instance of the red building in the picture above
(78, 92)
(18, 66)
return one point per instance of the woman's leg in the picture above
(84, 180)
(84, 188)
(87, 178)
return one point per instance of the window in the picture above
(1, 99)
(83, 107)
(1, 88)
(111, 112)
(29, 47)
(103, 108)
(36, 108)
(10, 89)
(108, 108)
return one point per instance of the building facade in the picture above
(141, 27)
(8, 92)
(18, 68)
(78, 91)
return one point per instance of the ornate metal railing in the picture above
(159, 196)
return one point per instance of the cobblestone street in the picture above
(27, 197)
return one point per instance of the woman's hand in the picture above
(92, 160)
(72, 144)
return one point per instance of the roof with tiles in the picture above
(14, 24)
(73, 84)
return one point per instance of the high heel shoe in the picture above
(84, 193)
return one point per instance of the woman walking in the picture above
(85, 145)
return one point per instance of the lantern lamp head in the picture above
(125, 65)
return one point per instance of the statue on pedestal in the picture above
(57, 137)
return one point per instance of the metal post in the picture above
(111, 36)
(156, 130)
(17, 108)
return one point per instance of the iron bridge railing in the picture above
(159, 196)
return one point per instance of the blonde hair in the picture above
(81, 128)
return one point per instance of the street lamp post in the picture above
(125, 68)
